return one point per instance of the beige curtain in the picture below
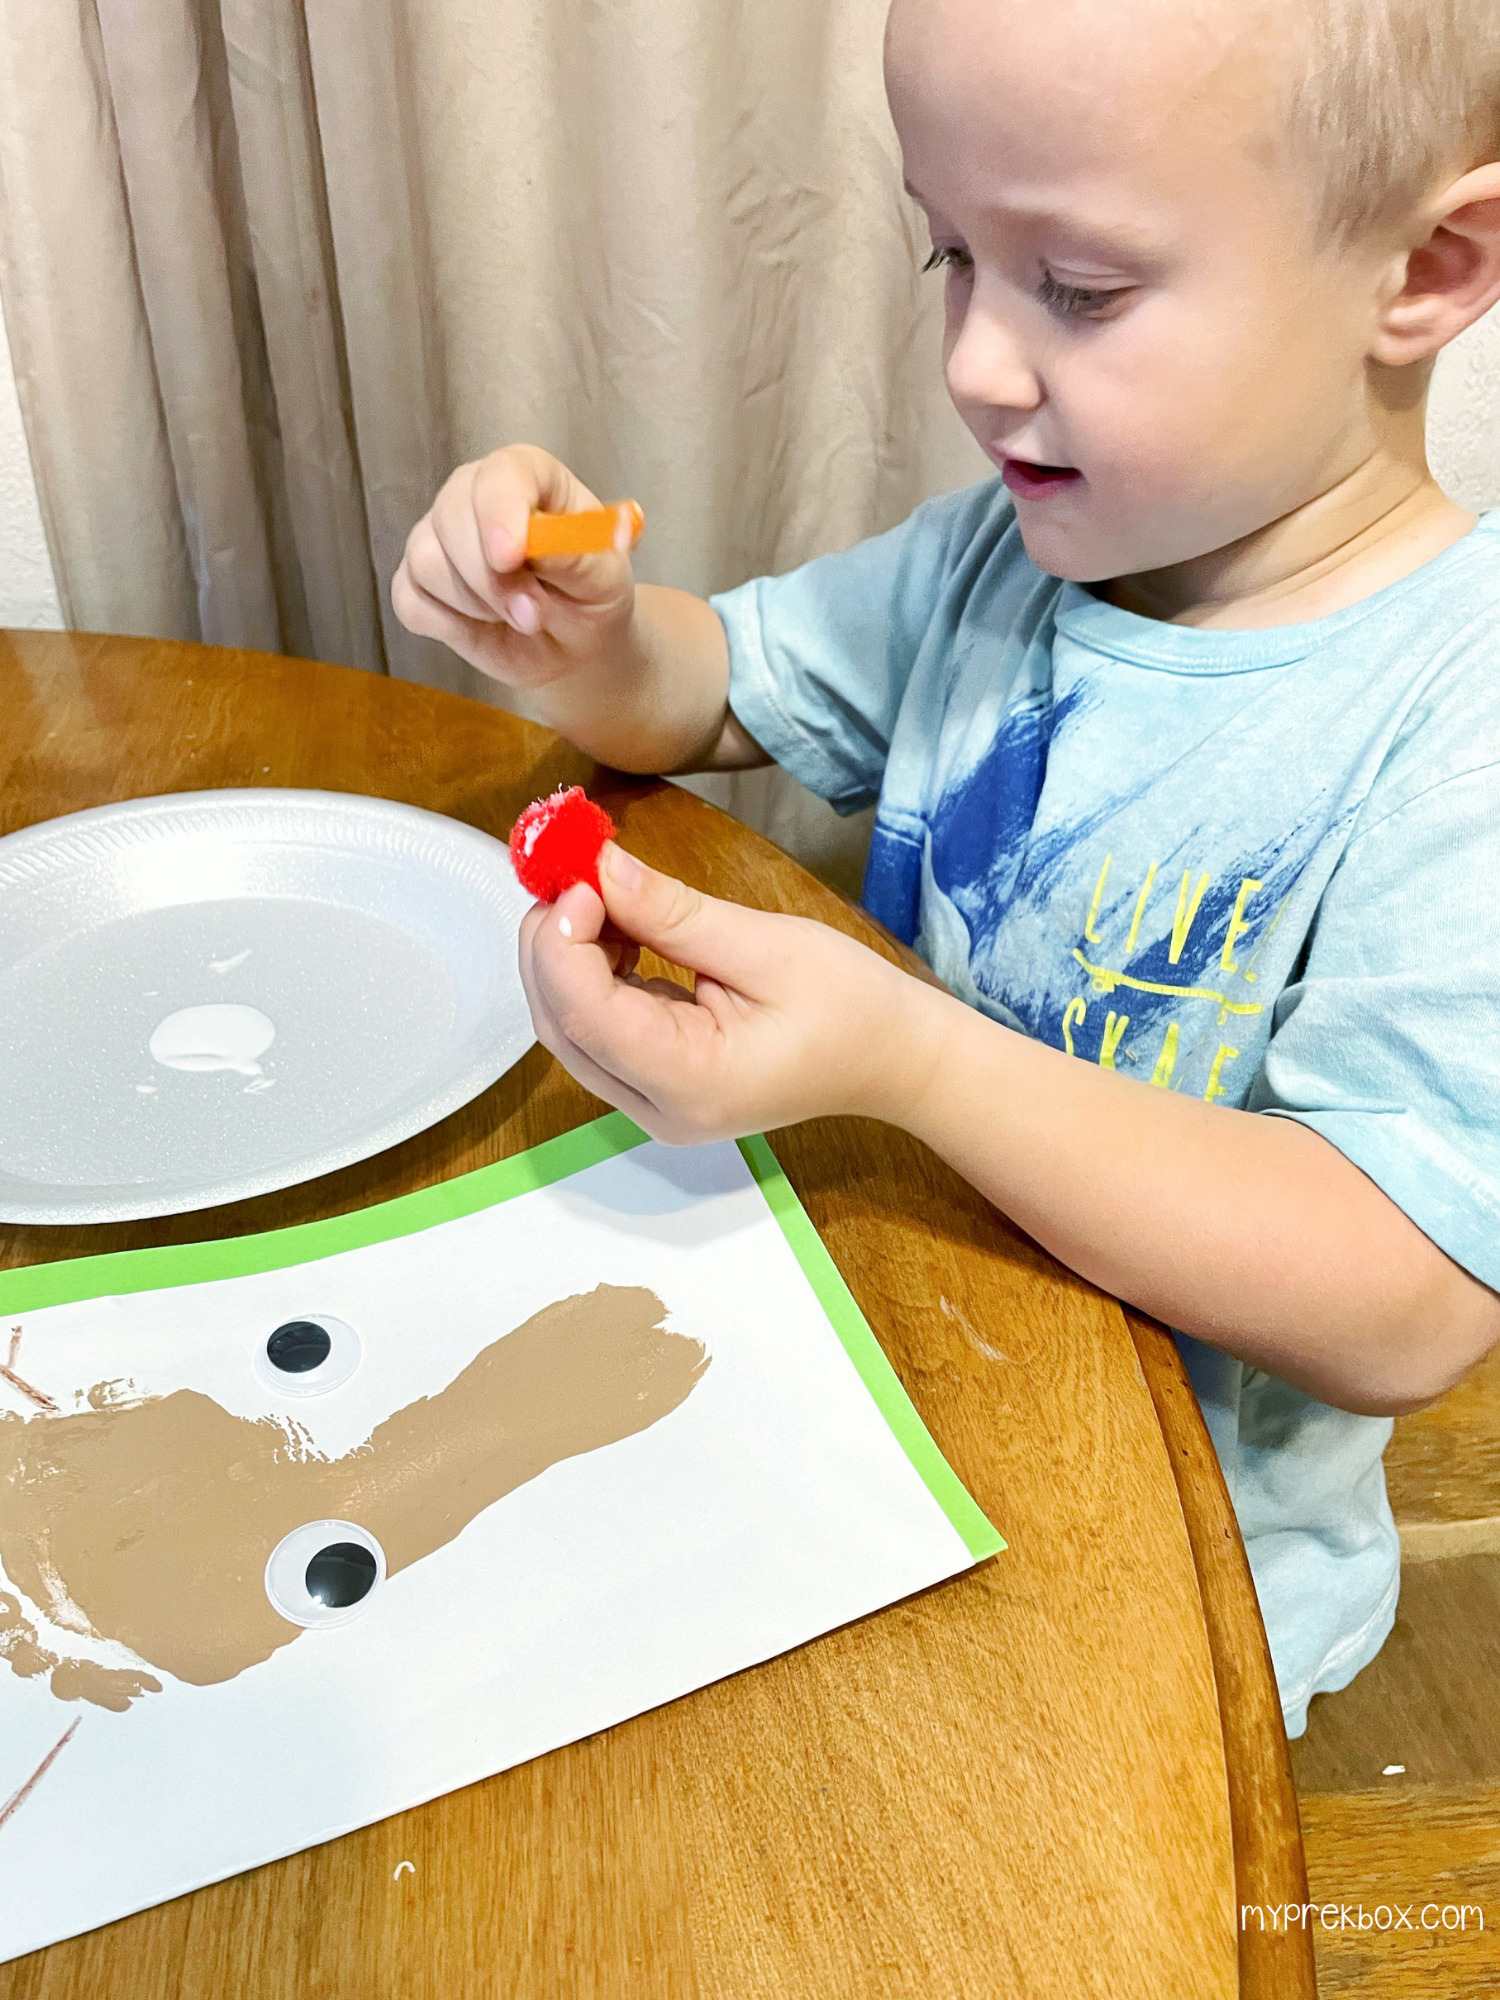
(270, 268)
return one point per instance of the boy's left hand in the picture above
(790, 1019)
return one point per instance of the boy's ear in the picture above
(1451, 278)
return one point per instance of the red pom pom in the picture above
(556, 843)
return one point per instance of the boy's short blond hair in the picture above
(1388, 98)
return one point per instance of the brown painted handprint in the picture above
(150, 1522)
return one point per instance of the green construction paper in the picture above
(243, 1256)
(125, 1271)
(868, 1356)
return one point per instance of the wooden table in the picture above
(1058, 1775)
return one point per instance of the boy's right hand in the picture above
(464, 578)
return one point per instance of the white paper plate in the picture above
(208, 996)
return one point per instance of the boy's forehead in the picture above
(1078, 87)
(1082, 39)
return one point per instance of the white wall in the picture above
(1463, 428)
(28, 595)
(1465, 435)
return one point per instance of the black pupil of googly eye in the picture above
(298, 1346)
(341, 1575)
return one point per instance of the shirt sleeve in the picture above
(1387, 1044)
(819, 659)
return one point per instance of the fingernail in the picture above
(523, 614)
(565, 925)
(622, 869)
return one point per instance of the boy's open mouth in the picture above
(1029, 481)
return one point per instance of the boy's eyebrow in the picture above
(1122, 241)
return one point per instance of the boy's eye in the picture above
(1074, 301)
(950, 254)
(1066, 301)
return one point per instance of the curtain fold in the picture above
(280, 146)
(164, 69)
(79, 340)
(374, 167)
(270, 268)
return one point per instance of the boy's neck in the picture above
(1376, 525)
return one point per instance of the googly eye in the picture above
(307, 1356)
(324, 1573)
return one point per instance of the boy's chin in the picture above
(1064, 552)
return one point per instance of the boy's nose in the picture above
(987, 365)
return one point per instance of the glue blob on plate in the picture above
(219, 1037)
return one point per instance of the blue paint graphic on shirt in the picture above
(979, 830)
(892, 891)
(1007, 877)
(980, 827)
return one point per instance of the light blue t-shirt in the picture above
(1261, 867)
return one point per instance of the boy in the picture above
(1187, 746)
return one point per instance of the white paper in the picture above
(772, 1505)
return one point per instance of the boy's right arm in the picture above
(635, 675)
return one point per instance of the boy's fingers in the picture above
(640, 1037)
(665, 989)
(508, 486)
(425, 561)
(650, 1044)
(563, 953)
(504, 491)
(593, 1076)
(682, 924)
(455, 529)
(600, 1081)
(472, 639)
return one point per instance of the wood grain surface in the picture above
(1014, 1784)
(1429, 1851)
(1400, 1782)
(1442, 1469)
(1270, 1870)
(1400, 1771)
(1426, 1711)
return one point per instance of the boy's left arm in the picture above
(1251, 1232)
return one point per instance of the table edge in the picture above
(1270, 1869)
